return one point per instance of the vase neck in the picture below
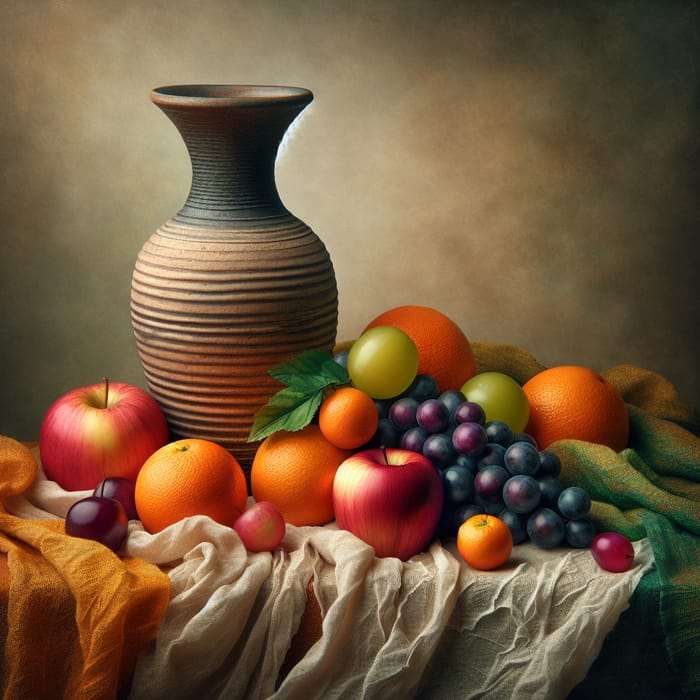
(232, 151)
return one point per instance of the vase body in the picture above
(233, 283)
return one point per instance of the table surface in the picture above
(365, 627)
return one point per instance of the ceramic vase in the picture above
(233, 283)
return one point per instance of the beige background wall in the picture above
(529, 168)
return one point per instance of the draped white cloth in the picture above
(431, 627)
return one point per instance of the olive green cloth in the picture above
(651, 489)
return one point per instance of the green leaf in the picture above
(335, 372)
(289, 409)
(294, 407)
(312, 370)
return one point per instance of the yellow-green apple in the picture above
(98, 431)
(390, 498)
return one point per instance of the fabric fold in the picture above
(78, 614)
(322, 617)
(652, 490)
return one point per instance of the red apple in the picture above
(98, 431)
(261, 527)
(390, 498)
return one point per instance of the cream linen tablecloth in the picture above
(431, 627)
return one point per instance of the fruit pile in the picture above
(395, 436)
(485, 467)
(112, 440)
(387, 408)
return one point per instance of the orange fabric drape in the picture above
(76, 614)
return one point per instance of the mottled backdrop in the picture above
(529, 168)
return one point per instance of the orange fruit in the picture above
(348, 418)
(570, 402)
(190, 477)
(295, 471)
(444, 352)
(484, 541)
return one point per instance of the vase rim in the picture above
(225, 95)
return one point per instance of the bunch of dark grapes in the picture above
(485, 467)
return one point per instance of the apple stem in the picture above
(386, 461)
(106, 381)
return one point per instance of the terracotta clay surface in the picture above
(233, 283)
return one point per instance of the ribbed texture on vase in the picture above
(232, 284)
(214, 309)
(232, 178)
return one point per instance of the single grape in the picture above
(383, 406)
(466, 462)
(501, 397)
(550, 464)
(517, 523)
(403, 413)
(469, 439)
(522, 458)
(458, 483)
(341, 358)
(579, 533)
(453, 515)
(488, 483)
(574, 503)
(612, 552)
(498, 432)
(524, 437)
(413, 439)
(545, 528)
(451, 398)
(469, 412)
(432, 415)
(488, 507)
(438, 448)
(98, 518)
(383, 362)
(422, 388)
(465, 511)
(550, 488)
(386, 435)
(120, 488)
(461, 513)
(521, 493)
(492, 454)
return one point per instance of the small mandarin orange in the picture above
(348, 418)
(484, 542)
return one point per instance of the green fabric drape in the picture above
(651, 489)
